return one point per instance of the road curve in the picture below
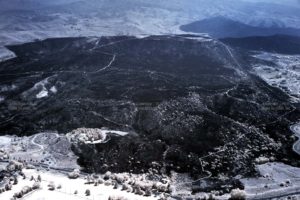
(296, 130)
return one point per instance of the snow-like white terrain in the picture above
(49, 156)
(284, 73)
(68, 188)
(40, 20)
(6, 54)
(46, 149)
(41, 89)
(92, 136)
(2, 98)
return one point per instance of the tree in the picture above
(89, 179)
(39, 178)
(15, 181)
(8, 187)
(18, 195)
(87, 192)
(36, 185)
(116, 185)
(51, 186)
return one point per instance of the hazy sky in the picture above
(289, 2)
(66, 1)
(19, 4)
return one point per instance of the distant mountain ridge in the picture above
(27, 20)
(282, 44)
(222, 27)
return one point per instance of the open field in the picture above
(68, 188)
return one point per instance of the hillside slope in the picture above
(173, 94)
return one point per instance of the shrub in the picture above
(36, 186)
(51, 186)
(8, 187)
(39, 178)
(238, 194)
(73, 175)
(15, 181)
(87, 192)
(117, 198)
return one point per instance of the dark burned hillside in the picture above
(188, 102)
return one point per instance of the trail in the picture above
(36, 144)
(242, 74)
(63, 71)
(107, 119)
(107, 66)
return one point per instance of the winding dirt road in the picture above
(296, 130)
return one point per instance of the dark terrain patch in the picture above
(282, 44)
(190, 103)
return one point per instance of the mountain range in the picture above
(222, 27)
(23, 22)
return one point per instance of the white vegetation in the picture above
(14, 166)
(238, 194)
(262, 160)
(86, 135)
(127, 185)
(26, 189)
(91, 135)
(75, 174)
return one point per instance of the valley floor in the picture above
(68, 188)
(283, 74)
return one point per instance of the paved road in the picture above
(296, 130)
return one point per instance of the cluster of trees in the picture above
(132, 185)
(25, 190)
(7, 187)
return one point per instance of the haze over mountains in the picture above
(27, 20)
(282, 44)
(36, 19)
(221, 27)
